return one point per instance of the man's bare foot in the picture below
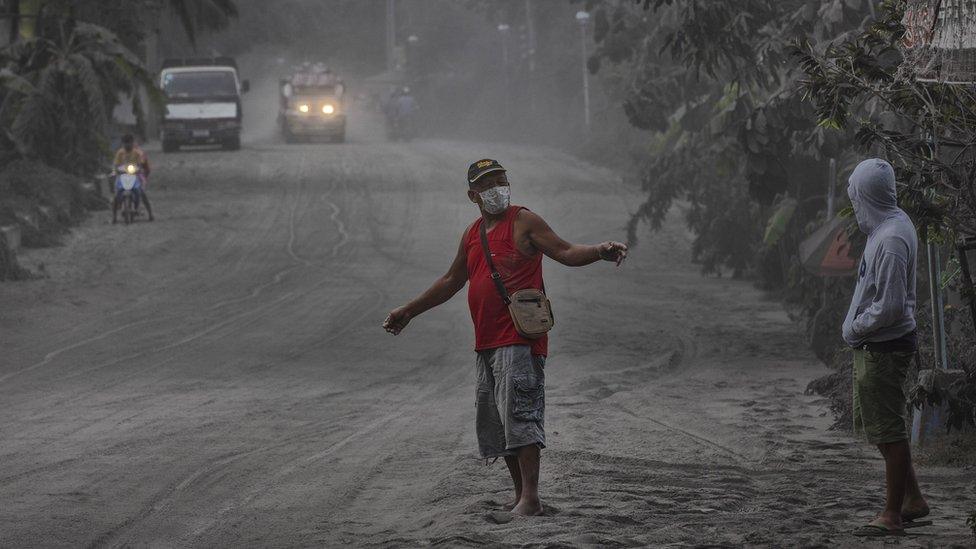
(510, 505)
(914, 510)
(879, 528)
(526, 508)
(887, 521)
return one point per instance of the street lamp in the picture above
(583, 18)
(412, 56)
(503, 29)
(390, 34)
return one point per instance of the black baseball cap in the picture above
(482, 167)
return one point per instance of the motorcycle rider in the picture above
(131, 154)
(400, 111)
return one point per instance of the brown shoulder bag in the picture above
(530, 309)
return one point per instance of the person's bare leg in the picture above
(145, 200)
(516, 472)
(898, 460)
(528, 461)
(914, 506)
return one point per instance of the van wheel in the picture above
(170, 146)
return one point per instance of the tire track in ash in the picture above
(380, 295)
(199, 334)
(226, 245)
(217, 242)
(229, 460)
(354, 483)
(164, 497)
(358, 481)
(161, 501)
(131, 373)
(299, 463)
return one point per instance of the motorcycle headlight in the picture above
(328, 109)
(303, 108)
(131, 169)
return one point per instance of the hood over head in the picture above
(872, 191)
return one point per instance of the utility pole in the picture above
(831, 185)
(938, 314)
(153, 64)
(584, 18)
(390, 34)
(503, 29)
(530, 29)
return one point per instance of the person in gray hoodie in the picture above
(880, 327)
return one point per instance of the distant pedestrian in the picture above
(509, 364)
(880, 326)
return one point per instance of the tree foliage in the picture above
(202, 15)
(927, 130)
(59, 87)
(715, 82)
(58, 91)
(866, 84)
(747, 100)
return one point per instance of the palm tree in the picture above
(58, 88)
(197, 15)
(57, 91)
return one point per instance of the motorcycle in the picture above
(129, 181)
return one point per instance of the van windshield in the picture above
(200, 85)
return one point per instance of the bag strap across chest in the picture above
(495, 277)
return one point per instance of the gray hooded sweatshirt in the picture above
(883, 306)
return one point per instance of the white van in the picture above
(203, 103)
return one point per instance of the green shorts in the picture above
(880, 406)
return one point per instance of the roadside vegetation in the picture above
(69, 65)
(748, 104)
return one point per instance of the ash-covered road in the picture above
(220, 377)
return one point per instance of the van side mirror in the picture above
(245, 86)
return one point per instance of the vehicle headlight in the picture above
(328, 109)
(303, 108)
(131, 169)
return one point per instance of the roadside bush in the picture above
(9, 268)
(837, 387)
(43, 201)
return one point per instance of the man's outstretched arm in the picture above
(440, 291)
(573, 255)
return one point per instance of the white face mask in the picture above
(496, 199)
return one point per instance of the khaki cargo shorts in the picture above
(880, 406)
(510, 400)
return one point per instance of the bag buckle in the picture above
(496, 276)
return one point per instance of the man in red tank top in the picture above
(510, 367)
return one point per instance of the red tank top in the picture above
(493, 326)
